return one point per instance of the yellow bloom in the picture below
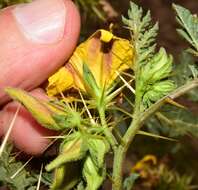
(104, 54)
(144, 165)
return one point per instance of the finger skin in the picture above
(26, 64)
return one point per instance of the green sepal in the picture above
(40, 110)
(66, 176)
(72, 150)
(97, 149)
(71, 119)
(93, 176)
(90, 82)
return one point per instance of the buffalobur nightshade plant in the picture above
(99, 70)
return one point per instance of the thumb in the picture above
(36, 38)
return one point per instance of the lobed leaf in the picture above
(189, 24)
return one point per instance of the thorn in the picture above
(155, 136)
(9, 130)
(40, 176)
(88, 112)
(174, 103)
(126, 83)
(20, 169)
(53, 137)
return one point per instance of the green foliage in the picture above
(153, 77)
(98, 148)
(93, 175)
(150, 68)
(8, 166)
(89, 7)
(158, 68)
(129, 181)
(66, 176)
(5, 3)
(189, 24)
(72, 149)
(173, 180)
(182, 71)
(173, 122)
(143, 34)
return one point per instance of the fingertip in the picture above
(33, 59)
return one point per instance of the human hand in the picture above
(35, 40)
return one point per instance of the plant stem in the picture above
(111, 139)
(134, 127)
(121, 151)
(138, 120)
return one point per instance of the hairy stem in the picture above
(111, 139)
(136, 124)
(121, 151)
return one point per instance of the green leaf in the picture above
(8, 166)
(98, 148)
(129, 181)
(173, 122)
(189, 23)
(66, 176)
(158, 68)
(185, 70)
(157, 91)
(71, 150)
(93, 176)
(143, 32)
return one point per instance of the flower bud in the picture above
(42, 112)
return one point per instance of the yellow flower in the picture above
(103, 53)
(144, 165)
